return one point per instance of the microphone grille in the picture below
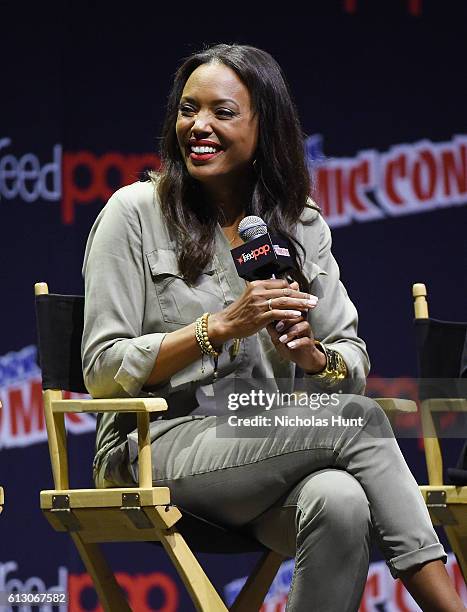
(251, 227)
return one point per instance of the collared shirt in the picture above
(135, 294)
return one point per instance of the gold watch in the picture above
(335, 369)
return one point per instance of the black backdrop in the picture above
(82, 80)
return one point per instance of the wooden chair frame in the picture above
(447, 504)
(140, 513)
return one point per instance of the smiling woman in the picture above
(167, 315)
(217, 128)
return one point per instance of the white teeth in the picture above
(200, 150)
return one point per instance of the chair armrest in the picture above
(445, 404)
(139, 404)
(391, 404)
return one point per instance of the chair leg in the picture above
(108, 590)
(458, 548)
(256, 587)
(203, 594)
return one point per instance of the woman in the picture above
(158, 257)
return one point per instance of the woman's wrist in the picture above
(319, 362)
(218, 329)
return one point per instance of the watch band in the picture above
(335, 369)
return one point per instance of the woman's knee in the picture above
(368, 411)
(334, 498)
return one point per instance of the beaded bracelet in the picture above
(201, 333)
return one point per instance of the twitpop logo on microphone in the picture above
(254, 254)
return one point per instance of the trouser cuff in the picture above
(416, 557)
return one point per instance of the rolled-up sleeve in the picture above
(117, 357)
(335, 320)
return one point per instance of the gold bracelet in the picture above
(201, 333)
(335, 369)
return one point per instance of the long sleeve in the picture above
(117, 356)
(335, 320)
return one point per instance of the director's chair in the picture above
(439, 347)
(140, 513)
(129, 514)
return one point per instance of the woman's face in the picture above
(217, 130)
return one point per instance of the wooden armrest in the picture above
(392, 404)
(445, 404)
(454, 495)
(94, 498)
(139, 404)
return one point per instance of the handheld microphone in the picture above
(263, 255)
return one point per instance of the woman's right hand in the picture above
(250, 312)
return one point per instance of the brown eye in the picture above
(225, 113)
(186, 110)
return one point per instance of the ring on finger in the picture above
(269, 304)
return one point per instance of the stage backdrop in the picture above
(381, 92)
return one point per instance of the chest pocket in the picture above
(181, 303)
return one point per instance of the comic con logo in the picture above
(254, 254)
(22, 416)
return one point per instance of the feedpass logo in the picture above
(71, 178)
(409, 178)
(254, 254)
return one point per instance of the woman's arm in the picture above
(335, 319)
(117, 356)
(118, 359)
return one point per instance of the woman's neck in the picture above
(230, 201)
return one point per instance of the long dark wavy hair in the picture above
(282, 183)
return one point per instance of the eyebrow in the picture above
(219, 101)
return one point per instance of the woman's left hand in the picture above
(294, 340)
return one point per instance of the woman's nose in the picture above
(201, 124)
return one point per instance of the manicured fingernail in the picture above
(291, 344)
(294, 313)
(280, 326)
(283, 338)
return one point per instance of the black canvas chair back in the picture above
(441, 347)
(60, 320)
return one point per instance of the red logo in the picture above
(254, 254)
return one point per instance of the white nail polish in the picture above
(291, 344)
(283, 338)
